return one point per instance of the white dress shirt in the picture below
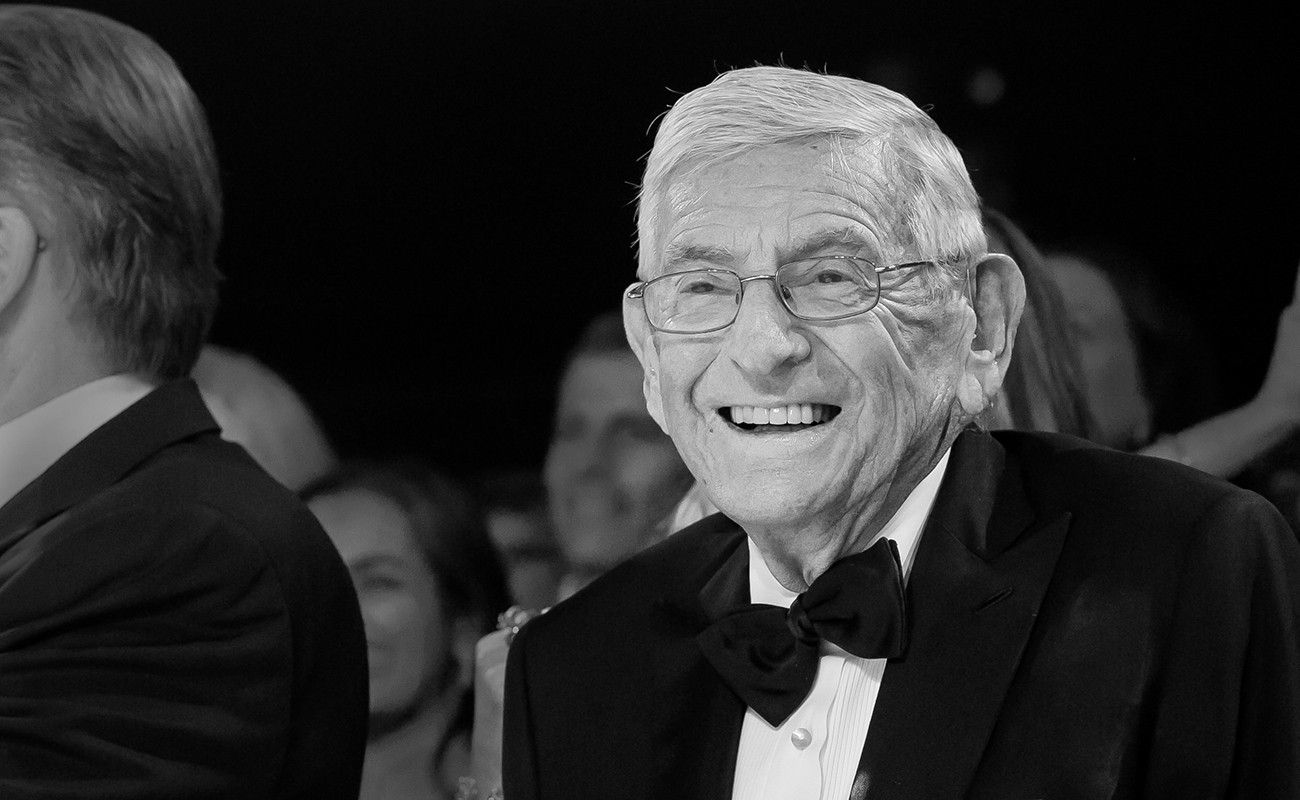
(814, 754)
(31, 442)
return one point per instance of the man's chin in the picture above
(772, 505)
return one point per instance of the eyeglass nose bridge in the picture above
(740, 299)
(782, 295)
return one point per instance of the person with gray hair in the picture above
(173, 622)
(893, 602)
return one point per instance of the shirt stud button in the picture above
(801, 738)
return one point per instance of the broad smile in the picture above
(778, 419)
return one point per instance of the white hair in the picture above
(925, 192)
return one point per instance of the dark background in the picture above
(427, 200)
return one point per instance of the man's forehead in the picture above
(804, 196)
(812, 160)
(841, 239)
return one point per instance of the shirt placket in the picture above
(795, 772)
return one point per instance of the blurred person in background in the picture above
(514, 507)
(173, 622)
(1276, 476)
(613, 480)
(1149, 388)
(259, 410)
(430, 584)
(1105, 333)
(612, 475)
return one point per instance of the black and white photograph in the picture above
(724, 400)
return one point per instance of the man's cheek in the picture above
(675, 390)
(921, 321)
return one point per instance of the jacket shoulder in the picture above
(629, 593)
(1126, 496)
(1072, 470)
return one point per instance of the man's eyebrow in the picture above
(842, 238)
(685, 253)
(845, 238)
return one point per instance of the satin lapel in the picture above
(169, 413)
(982, 567)
(697, 720)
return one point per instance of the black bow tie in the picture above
(769, 656)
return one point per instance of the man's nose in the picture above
(765, 336)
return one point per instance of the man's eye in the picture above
(700, 287)
(831, 276)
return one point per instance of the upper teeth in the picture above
(793, 414)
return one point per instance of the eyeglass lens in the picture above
(702, 300)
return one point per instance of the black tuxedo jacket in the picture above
(174, 624)
(1084, 624)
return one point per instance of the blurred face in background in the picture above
(612, 475)
(407, 635)
(1108, 353)
(527, 546)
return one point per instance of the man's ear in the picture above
(999, 300)
(640, 336)
(19, 246)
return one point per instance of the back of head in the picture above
(260, 410)
(1150, 365)
(924, 199)
(100, 132)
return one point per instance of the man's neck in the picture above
(798, 553)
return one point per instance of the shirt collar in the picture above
(33, 441)
(904, 528)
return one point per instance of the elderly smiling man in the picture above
(896, 604)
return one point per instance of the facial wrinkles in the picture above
(859, 167)
(855, 194)
(876, 492)
(884, 369)
(920, 394)
(932, 344)
(865, 228)
(857, 191)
